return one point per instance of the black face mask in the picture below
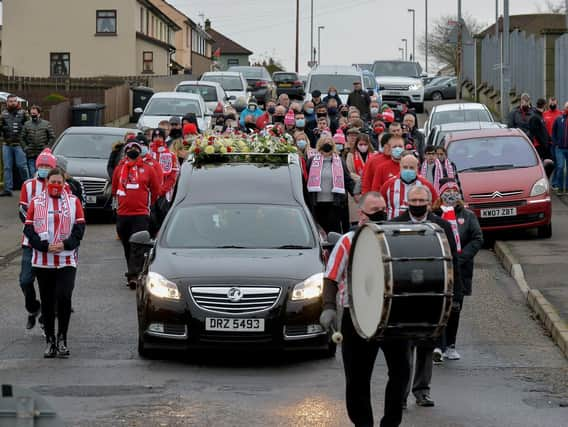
(271, 110)
(278, 119)
(230, 117)
(332, 110)
(345, 113)
(418, 211)
(251, 126)
(377, 216)
(35, 117)
(553, 107)
(321, 114)
(132, 154)
(175, 133)
(327, 148)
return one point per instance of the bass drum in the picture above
(400, 281)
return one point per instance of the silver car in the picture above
(164, 105)
(233, 83)
(212, 93)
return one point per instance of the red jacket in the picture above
(385, 171)
(169, 163)
(549, 117)
(370, 169)
(140, 197)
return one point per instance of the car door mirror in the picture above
(138, 110)
(232, 98)
(142, 238)
(332, 239)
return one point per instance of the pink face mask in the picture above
(363, 148)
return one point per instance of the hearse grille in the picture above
(235, 299)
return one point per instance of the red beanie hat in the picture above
(45, 158)
(289, 118)
(189, 129)
(339, 137)
(388, 116)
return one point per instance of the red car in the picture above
(502, 178)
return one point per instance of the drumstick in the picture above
(336, 336)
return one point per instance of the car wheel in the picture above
(437, 96)
(545, 232)
(419, 108)
(143, 350)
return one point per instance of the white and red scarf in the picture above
(128, 179)
(314, 179)
(62, 219)
(359, 163)
(439, 171)
(449, 214)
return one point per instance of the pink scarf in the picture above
(41, 217)
(449, 214)
(314, 179)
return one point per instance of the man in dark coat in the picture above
(419, 205)
(360, 99)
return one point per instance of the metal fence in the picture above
(560, 68)
(527, 64)
(490, 60)
(468, 57)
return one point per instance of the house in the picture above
(231, 53)
(85, 38)
(201, 50)
(533, 23)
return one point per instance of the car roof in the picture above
(336, 69)
(240, 183)
(198, 83)
(245, 67)
(468, 126)
(182, 95)
(284, 72)
(484, 133)
(221, 73)
(101, 130)
(455, 106)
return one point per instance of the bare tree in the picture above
(442, 52)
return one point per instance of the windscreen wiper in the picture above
(231, 247)
(492, 167)
(292, 247)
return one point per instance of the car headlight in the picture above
(539, 187)
(415, 86)
(161, 287)
(310, 288)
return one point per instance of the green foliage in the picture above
(54, 98)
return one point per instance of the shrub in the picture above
(54, 98)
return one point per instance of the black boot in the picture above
(32, 319)
(62, 350)
(51, 349)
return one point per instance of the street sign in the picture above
(453, 36)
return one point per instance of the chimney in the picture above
(207, 24)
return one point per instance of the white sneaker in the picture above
(437, 356)
(452, 354)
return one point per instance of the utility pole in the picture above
(460, 50)
(426, 35)
(566, 7)
(505, 70)
(297, 36)
(312, 54)
(497, 19)
(401, 50)
(405, 48)
(413, 11)
(320, 27)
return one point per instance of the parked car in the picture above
(212, 93)
(400, 81)
(4, 98)
(457, 112)
(87, 150)
(340, 76)
(502, 178)
(288, 83)
(441, 89)
(164, 105)
(221, 274)
(233, 83)
(260, 84)
(436, 136)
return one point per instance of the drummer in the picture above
(359, 354)
(419, 207)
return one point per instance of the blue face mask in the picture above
(300, 123)
(144, 150)
(42, 173)
(339, 147)
(301, 143)
(309, 111)
(408, 175)
(396, 152)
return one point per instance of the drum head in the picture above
(367, 282)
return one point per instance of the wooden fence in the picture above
(117, 102)
(59, 116)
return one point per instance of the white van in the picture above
(340, 76)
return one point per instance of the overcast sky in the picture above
(356, 31)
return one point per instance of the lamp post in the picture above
(405, 49)
(401, 50)
(426, 35)
(312, 59)
(413, 33)
(320, 27)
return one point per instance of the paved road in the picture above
(511, 374)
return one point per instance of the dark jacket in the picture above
(361, 100)
(328, 97)
(115, 157)
(36, 136)
(559, 132)
(539, 134)
(338, 199)
(458, 289)
(419, 142)
(11, 125)
(471, 240)
(519, 119)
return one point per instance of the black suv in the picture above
(260, 84)
(238, 262)
(288, 83)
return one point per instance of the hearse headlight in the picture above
(161, 287)
(310, 288)
(540, 187)
(415, 86)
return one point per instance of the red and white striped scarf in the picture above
(314, 179)
(449, 214)
(61, 219)
(438, 172)
(128, 178)
(359, 163)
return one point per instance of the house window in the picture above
(233, 61)
(106, 21)
(147, 22)
(59, 64)
(148, 62)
